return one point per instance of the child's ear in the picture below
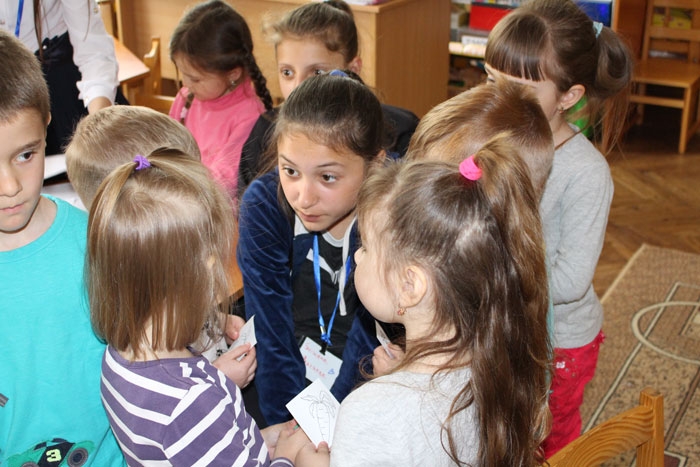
(414, 286)
(355, 65)
(572, 96)
(234, 75)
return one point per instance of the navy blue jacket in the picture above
(269, 257)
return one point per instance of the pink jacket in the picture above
(220, 127)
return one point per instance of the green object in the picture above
(57, 452)
(581, 122)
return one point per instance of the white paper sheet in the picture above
(315, 410)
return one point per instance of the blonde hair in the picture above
(160, 245)
(22, 84)
(115, 135)
(458, 127)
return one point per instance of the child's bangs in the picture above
(518, 46)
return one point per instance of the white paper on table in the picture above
(318, 365)
(54, 165)
(315, 410)
(383, 339)
(246, 335)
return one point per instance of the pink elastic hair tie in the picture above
(469, 169)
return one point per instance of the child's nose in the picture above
(307, 194)
(9, 184)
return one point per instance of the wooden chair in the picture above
(149, 95)
(641, 427)
(682, 73)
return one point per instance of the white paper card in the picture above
(383, 339)
(315, 410)
(215, 350)
(319, 366)
(246, 335)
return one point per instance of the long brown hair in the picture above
(555, 39)
(481, 244)
(38, 29)
(215, 38)
(160, 245)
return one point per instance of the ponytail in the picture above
(611, 87)
(487, 225)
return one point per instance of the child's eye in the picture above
(25, 156)
(319, 71)
(328, 178)
(286, 73)
(290, 172)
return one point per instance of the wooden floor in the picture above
(657, 195)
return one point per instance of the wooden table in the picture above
(132, 71)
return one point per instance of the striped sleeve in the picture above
(209, 427)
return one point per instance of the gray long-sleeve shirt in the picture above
(574, 211)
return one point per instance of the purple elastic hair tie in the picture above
(142, 162)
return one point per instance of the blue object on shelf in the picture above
(600, 10)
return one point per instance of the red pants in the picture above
(573, 369)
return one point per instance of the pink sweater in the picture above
(220, 127)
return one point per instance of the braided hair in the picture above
(216, 39)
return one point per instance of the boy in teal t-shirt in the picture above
(50, 407)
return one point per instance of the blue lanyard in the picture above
(326, 336)
(19, 18)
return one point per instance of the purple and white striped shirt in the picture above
(179, 411)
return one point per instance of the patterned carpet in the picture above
(652, 328)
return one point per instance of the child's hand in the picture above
(309, 456)
(272, 433)
(243, 372)
(290, 442)
(382, 363)
(232, 328)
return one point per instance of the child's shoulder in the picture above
(580, 150)
(70, 218)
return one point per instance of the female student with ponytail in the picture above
(554, 47)
(472, 386)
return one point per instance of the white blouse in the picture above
(93, 48)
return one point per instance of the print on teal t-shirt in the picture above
(50, 368)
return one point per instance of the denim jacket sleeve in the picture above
(264, 245)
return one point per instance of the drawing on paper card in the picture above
(316, 410)
(323, 410)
